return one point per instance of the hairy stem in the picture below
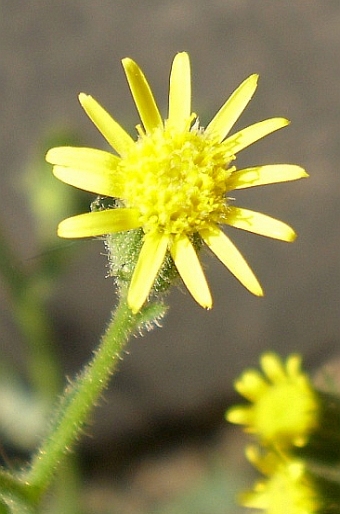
(81, 396)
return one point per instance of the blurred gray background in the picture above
(179, 378)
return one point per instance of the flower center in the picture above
(177, 180)
(288, 411)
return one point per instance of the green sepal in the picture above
(123, 249)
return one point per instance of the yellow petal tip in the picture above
(257, 290)
(207, 306)
(292, 237)
(82, 97)
(254, 77)
(181, 55)
(304, 173)
(48, 156)
(127, 61)
(61, 233)
(283, 121)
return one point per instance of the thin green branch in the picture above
(81, 396)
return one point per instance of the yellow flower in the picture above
(283, 409)
(173, 182)
(289, 487)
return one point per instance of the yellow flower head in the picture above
(283, 409)
(288, 487)
(173, 182)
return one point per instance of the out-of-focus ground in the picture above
(190, 478)
(176, 382)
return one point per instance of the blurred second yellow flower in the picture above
(173, 182)
(283, 408)
(289, 487)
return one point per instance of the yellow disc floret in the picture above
(287, 413)
(177, 180)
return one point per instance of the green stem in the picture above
(15, 493)
(81, 396)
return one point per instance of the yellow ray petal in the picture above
(142, 95)
(114, 134)
(180, 92)
(273, 367)
(149, 262)
(293, 365)
(99, 223)
(259, 223)
(253, 133)
(262, 175)
(229, 113)
(80, 157)
(251, 385)
(86, 168)
(240, 415)
(90, 180)
(190, 269)
(230, 256)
